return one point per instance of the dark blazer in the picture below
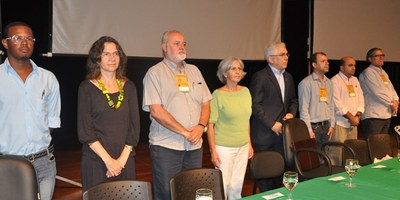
(268, 107)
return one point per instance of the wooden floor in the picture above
(68, 164)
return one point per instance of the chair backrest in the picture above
(397, 130)
(119, 190)
(266, 164)
(360, 148)
(294, 130)
(379, 146)
(308, 164)
(184, 184)
(307, 160)
(18, 179)
(346, 152)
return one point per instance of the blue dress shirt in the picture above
(27, 109)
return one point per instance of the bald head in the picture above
(348, 66)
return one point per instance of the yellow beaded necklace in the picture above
(110, 101)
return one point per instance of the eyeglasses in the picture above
(17, 39)
(109, 54)
(379, 56)
(283, 54)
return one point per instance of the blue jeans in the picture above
(166, 163)
(321, 133)
(46, 171)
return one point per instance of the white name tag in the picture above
(337, 178)
(273, 196)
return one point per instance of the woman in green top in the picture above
(228, 130)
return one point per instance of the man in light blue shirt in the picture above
(316, 100)
(381, 99)
(29, 106)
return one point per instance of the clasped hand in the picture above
(114, 168)
(194, 134)
(394, 107)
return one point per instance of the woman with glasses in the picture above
(228, 130)
(108, 116)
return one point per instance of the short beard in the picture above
(181, 57)
(178, 58)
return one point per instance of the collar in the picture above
(378, 69)
(173, 65)
(344, 77)
(10, 69)
(315, 77)
(276, 71)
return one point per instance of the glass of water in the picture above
(398, 158)
(351, 169)
(398, 154)
(204, 194)
(290, 180)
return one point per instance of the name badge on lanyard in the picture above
(182, 82)
(384, 79)
(323, 96)
(351, 91)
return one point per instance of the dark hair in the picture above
(12, 24)
(371, 52)
(342, 62)
(313, 58)
(92, 63)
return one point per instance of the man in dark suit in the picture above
(274, 101)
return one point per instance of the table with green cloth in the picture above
(372, 182)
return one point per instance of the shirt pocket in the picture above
(197, 91)
(38, 104)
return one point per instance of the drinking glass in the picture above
(351, 169)
(398, 154)
(204, 194)
(290, 180)
(398, 158)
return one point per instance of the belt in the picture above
(32, 157)
(322, 123)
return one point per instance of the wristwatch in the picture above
(204, 127)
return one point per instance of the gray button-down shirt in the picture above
(310, 106)
(159, 87)
(377, 95)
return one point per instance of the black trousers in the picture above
(375, 126)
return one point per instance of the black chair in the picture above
(18, 179)
(360, 148)
(293, 130)
(184, 184)
(379, 146)
(338, 168)
(119, 190)
(397, 129)
(266, 164)
(309, 165)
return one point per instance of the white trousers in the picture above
(233, 167)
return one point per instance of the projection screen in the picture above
(213, 29)
(352, 27)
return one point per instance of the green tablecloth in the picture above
(371, 183)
